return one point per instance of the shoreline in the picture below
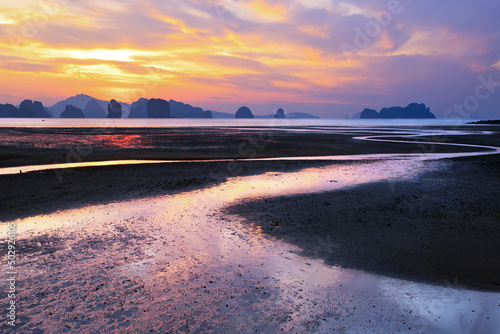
(216, 246)
(30, 146)
(44, 192)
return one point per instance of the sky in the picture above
(328, 57)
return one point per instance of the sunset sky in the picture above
(326, 57)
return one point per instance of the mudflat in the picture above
(440, 226)
(217, 246)
(34, 146)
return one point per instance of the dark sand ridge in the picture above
(440, 227)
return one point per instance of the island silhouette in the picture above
(85, 106)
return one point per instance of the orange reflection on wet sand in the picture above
(35, 168)
(117, 141)
(312, 180)
(196, 258)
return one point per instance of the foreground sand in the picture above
(153, 254)
(440, 226)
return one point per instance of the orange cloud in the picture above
(235, 50)
(272, 11)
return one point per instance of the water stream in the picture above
(208, 269)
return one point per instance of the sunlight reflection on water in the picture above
(376, 134)
(197, 248)
(204, 246)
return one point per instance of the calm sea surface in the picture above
(186, 122)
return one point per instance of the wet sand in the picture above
(143, 248)
(30, 194)
(26, 146)
(438, 227)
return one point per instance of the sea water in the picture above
(218, 122)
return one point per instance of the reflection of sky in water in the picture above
(186, 122)
(207, 246)
(105, 138)
(314, 179)
(117, 141)
(216, 139)
(231, 254)
(449, 309)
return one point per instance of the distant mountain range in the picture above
(96, 108)
(27, 109)
(413, 110)
(90, 107)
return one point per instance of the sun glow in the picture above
(125, 55)
(6, 21)
(233, 50)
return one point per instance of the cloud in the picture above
(238, 62)
(26, 67)
(257, 49)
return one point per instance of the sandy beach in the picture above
(368, 245)
(439, 226)
(250, 166)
